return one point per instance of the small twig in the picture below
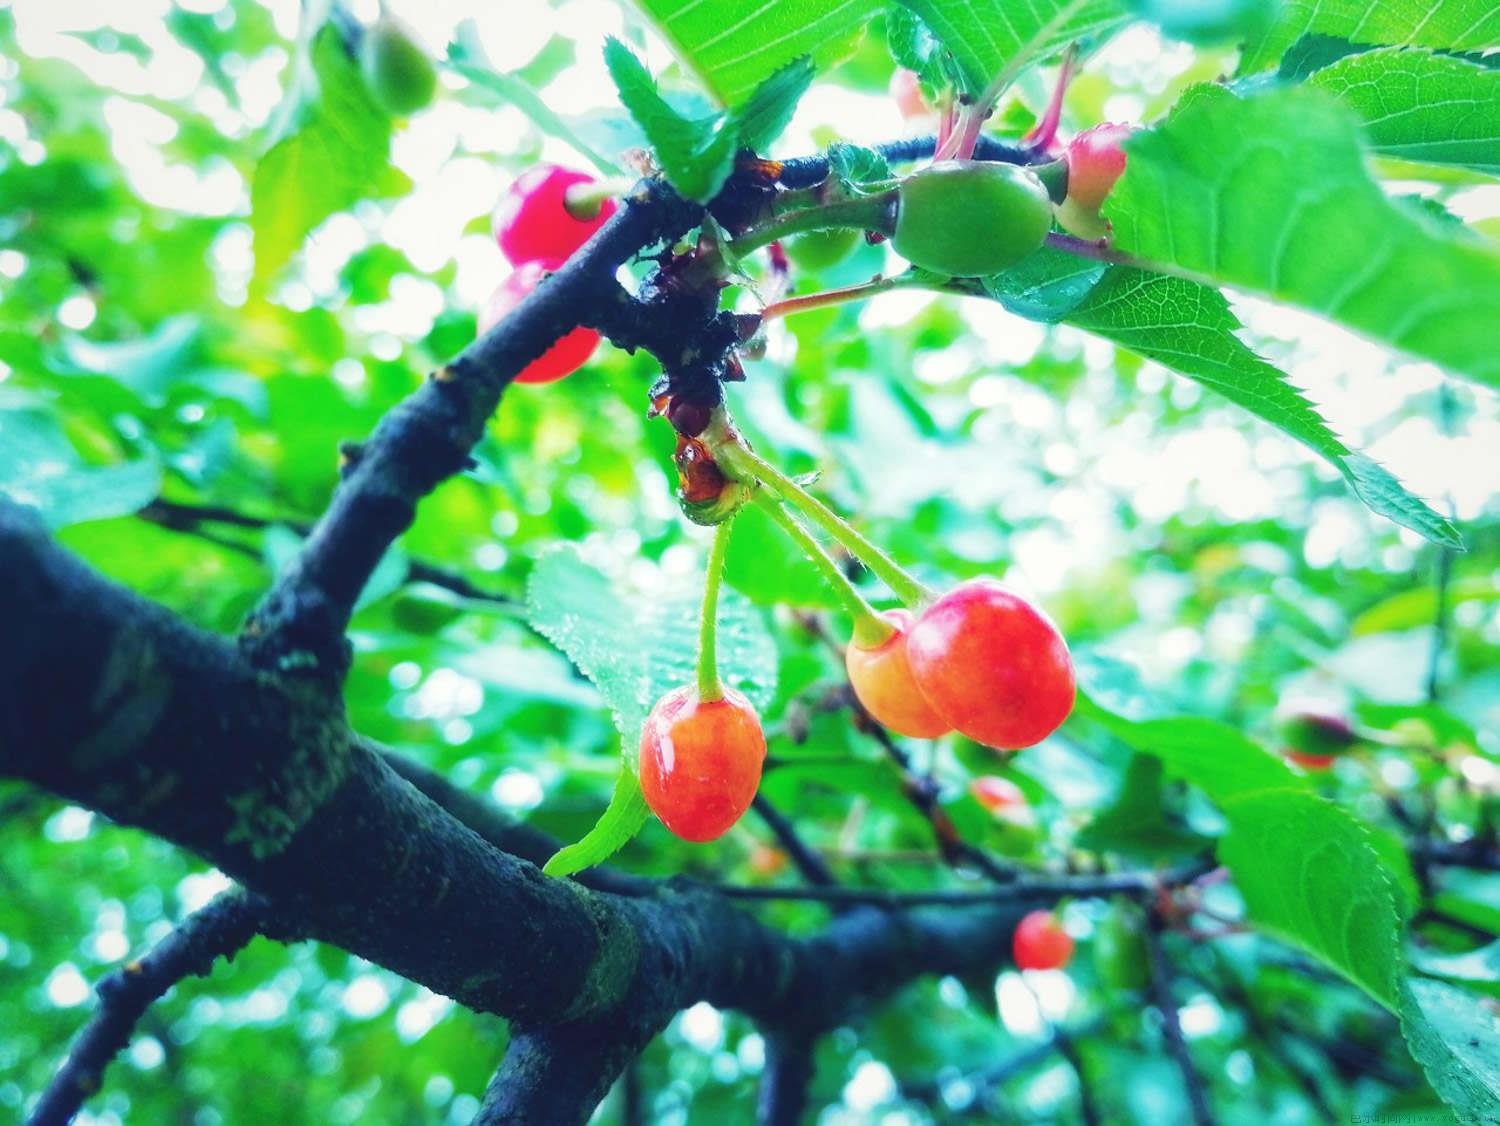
(1069, 1051)
(1476, 854)
(813, 867)
(930, 1091)
(788, 1074)
(1161, 996)
(221, 929)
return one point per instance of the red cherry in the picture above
(882, 680)
(992, 665)
(532, 223)
(700, 761)
(1095, 161)
(906, 92)
(566, 356)
(1310, 762)
(1040, 943)
(1000, 796)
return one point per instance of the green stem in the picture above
(738, 460)
(709, 686)
(836, 296)
(583, 200)
(869, 213)
(870, 629)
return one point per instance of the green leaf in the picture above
(697, 154)
(1309, 875)
(1208, 22)
(1421, 106)
(1191, 329)
(1134, 822)
(1456, 1038)
(854, 165)
(765, 115)
(1419, 606)
(1270, 194)
(1046, 285)
(334, 157)
(734, 45)
(1460, 25)
(994, 40)
(148, 365)
(40, 468)
(636, 646)
(621, 820)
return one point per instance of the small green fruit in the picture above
(817, 250)
(398, 72)
(970, 218)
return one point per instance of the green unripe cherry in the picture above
(817, 250)
(398, 72)
(970, 218)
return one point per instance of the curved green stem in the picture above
(837, 296)
(709, 686)
(738, 460)
(870, 629)
(870, 213)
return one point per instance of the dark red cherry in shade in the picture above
(1310, 761)
(701, 761)
(566, 356)
(532, 222)
(1040, 943)
(992, 665)
(882, 680)
(1095, 161)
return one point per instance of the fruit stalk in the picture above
(709, 686)
(868, 213)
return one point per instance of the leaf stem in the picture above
(870, 629)
(739, 460)
(870, 213)
(877, 284)
(709, 686)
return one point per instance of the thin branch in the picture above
(813, 867)
(809, 170)
(1477, 854)
(983, 1082)
(1161, 998)
(787, 1076)
(221, 929)
(1087, 1106)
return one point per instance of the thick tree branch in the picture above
(221, 929)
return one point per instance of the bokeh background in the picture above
(1164, 528)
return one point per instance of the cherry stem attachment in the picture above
(582, 201)
(740, 461)
(709, 686)
(870, 629)
(869, 213)
(877, 284)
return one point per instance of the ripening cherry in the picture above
(969, 218)
(701, 761)
(1309, 761)
(906, 92)
(1000, 796)
(1040, 943)
(882, 680)
(1096, 160)
(566, 356)
(992, 665)
(534, 223)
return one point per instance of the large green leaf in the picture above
(1422, 106)
(39, 468)
(1270, 193)
(1462, 25)
(996, 39)
(1190, 328)
(335, 156)
(734, 45)
(1455, 1036)
(1134, 822)
(636, 646)
(1309, 875)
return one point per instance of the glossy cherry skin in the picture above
(532, 223)
(566, 356)
(701, 761)
(992, 665)
(883, 682)
(1040, 943)
(1095, 161)
(1000, 796)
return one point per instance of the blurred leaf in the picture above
(1271, 194)
(1479, 968)
(1417, 105)
(150, 365)
(1418, 607)
(1462, 25)
(1208, 22)
(734, 45)
(40, 468)
(993, 38)
(767, 568)
(1135, 822)
(1190, 328)
(1456, 1039)
(1309, 875)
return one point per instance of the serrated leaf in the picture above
(1271, 194)
(621, 820)
(1309, 875)
(1046, 285)
(1456, 1039)
(1420, 106)
(734, 45)
(336, 156)
(697, 154)
(854, 165)
(765, 114)
(992, 40)
(1461, 25)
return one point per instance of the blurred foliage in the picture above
(1166, 530)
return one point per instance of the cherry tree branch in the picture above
(221, 929)
(1162, 1000)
